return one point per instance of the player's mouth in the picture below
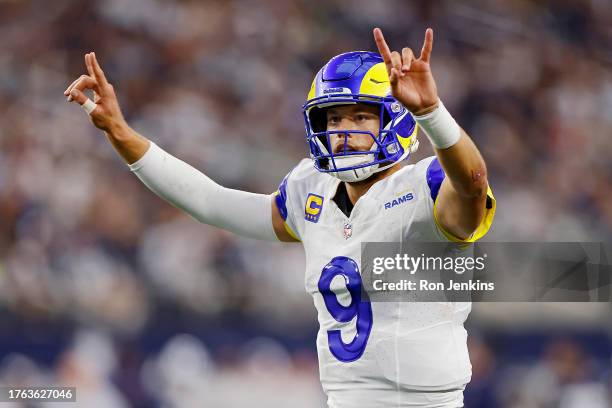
(339, 147)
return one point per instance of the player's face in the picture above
(353, 117)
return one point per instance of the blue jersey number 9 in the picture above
(362, 310)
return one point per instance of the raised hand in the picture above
(411, 80)
(107, 114)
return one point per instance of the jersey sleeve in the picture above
(435, 176)
(286, 201)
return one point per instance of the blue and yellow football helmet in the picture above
(349, 78)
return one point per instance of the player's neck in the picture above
(357, 189)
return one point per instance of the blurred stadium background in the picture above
(106, 287)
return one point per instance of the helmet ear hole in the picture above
(325, 144)
(386, 118)
(323, 163)
(318, 119)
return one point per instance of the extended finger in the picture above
(427, 46)
(383, 48)
(89, 65)
(89, 61)
(99, 74)
(407, 57)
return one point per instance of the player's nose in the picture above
(340, 141)
(346, 122)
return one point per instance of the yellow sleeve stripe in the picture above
(482, 229)
(287, 227)
(290, 232)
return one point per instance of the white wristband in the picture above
(440, 127)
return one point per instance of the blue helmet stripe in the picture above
(346, 71)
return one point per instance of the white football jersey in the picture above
(376, 354)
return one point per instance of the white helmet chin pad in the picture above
(362, 173)
(353, 175)
(358, 174)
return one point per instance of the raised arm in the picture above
(461, 202)
(104, 111)
(247, 214)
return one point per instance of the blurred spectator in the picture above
(565, 379)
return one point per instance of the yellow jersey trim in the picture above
(290, 232)
(480, 231)
(287, 227)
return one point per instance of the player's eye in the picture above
(333, 120)
(362, 117)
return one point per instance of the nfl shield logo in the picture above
(348, 230)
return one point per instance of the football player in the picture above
(361, 115)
